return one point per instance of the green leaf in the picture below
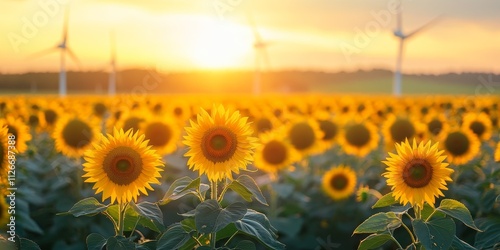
(256, 224)
(435, 234)
(150, 211)
(458, 211)
(119, 243)
(147, 245)
(459, 244)
(489, 238)
(386, 200)
(245, 245)
(26, 244)
(379, 222)
(26, 222)
(95, 241)
(88, 206)
(210, 217)
(374, 241)
(133, 218)
(174, 238)
(180, 188)
(289, 226)
(422, 232)
(246, 187)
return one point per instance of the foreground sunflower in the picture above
(121, 165)
(339, 182)
(461, 145)
(73, 135)
(417, 173)
(219, 143)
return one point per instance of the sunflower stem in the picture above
(409, 232)
(273, 203)
(213, 194)
(121, 218)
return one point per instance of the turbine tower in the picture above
(112, 73)
(261, 56)
(396, 88)
(63, 47)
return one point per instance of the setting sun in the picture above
(219, 45)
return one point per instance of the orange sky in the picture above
(174, 35)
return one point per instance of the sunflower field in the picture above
(250, 172)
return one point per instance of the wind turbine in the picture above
(261, 56)
(396, 88)
(112, 73)
(63, 47)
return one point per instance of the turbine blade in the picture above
(43, 53)
(65, 27)
(425, 26)
(73, 57)
(255, 31)
(399, 13)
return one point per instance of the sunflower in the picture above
(479, 124)
(330, 128)
(461, 145)
(359, 137)
(73, 135)
(305, 135)
(4, 149)
(417, 174)
(436, 123)
(497, 153)
(162, 133)
(274, 153)
(398, 129)
(339, 182)
(121, 165)
(219, 143)
(363, 194)
(20, 131)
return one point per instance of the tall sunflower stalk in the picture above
(417, 175)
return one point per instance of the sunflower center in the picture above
(219, 144)
(402, 129)
(457, 143)
(77, 134)
(302, 136)
(33, 120)
(477, 127)
(132, 123)
(357, 135)
(329, 129)
(435, 126)
(274, 152)
(417, 173)
(13, 131)
(264, 125)
(122, 165)
(99, 109)
(339, 182)
(158, 133)
(178, 111)
(50, 116)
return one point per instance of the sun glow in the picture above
(219, 45)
